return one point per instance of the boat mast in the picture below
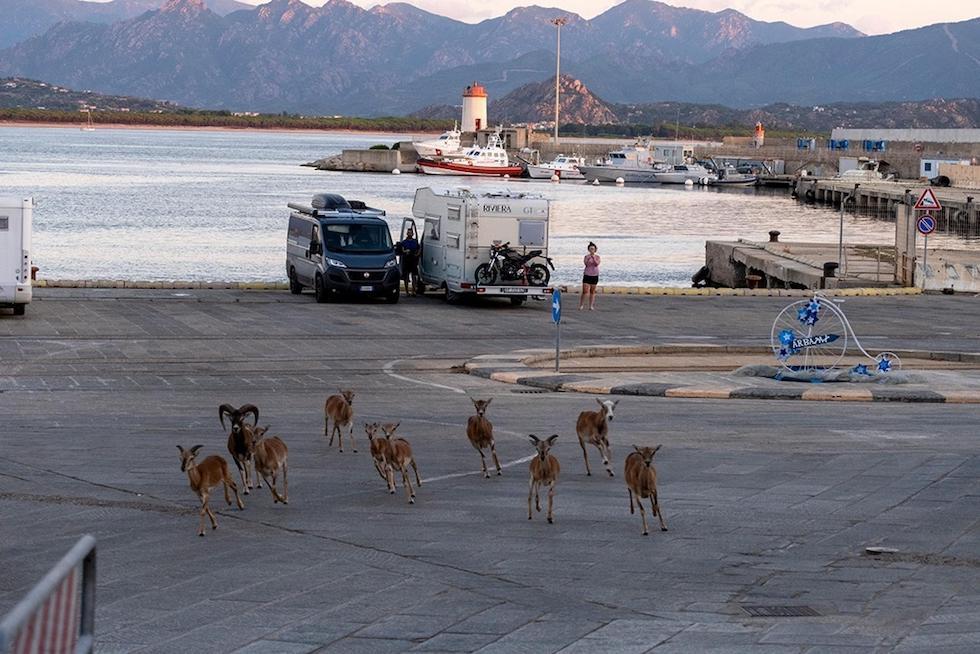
(558, 22)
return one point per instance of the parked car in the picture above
(340, 248)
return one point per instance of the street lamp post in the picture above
(558, 22)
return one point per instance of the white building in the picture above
(929, 168)
(672, 152)
(856, 135)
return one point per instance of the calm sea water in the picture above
(162, 205)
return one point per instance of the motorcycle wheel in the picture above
(485, 275)
(538, 275)
(510, 273)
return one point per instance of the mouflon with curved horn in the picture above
(240, 440)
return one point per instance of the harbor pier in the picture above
(960, 213)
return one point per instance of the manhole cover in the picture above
(528, 391)
(780, 611)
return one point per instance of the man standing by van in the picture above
(408, 250)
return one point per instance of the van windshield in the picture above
(359, 238)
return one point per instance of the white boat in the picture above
(88, 126)
(634, 165)
(489, 161)
(566, 167)
(447, 144)
(868, 170)
(729, 176)
(680, 173)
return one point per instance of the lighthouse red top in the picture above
(475, 90)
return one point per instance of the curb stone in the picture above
(515, 369)
(650, 291)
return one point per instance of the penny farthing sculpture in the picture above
(811, 337)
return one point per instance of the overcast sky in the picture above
(870, 16)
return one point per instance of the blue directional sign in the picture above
(556, 306)
(926, 224)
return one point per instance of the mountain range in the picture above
(535, 103)
(23, 19)
(395, 58)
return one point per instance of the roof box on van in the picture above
(330, 202)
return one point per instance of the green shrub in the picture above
(379, 146)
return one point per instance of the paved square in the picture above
(769, 503)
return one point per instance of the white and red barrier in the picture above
(58, 615)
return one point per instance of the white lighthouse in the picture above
(474, 108)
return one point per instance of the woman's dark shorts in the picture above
(590, 279)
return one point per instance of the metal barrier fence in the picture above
(962, 222)
(58, 615)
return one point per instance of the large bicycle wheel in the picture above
(809, 336)
(485, 275)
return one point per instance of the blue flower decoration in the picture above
(810, 314)
(786, 336)
(860, 369)
(884, 365)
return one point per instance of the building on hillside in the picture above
(911, 135)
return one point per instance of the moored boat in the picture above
(489, 161)
(634, 165)
(566, 167)
(730, 177)
(446, 144)
(681, 173)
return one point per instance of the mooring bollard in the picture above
(829, 272)
(774, 236)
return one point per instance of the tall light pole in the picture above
(558, 22)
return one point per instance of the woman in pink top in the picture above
(590, 278)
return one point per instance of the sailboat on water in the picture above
(89, 126)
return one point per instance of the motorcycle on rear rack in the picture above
(508, 265)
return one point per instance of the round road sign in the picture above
(926, 224)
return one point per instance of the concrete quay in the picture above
(790, 265)
(769, 504)
(881, 197)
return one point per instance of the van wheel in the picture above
(393, 297)
(19, 309)
(518, 301)
(294, 286)
(452, 297)
(320, 290)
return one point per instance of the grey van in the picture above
(340, 248)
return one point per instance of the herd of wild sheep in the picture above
(257, 456)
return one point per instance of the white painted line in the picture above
(455, 475)
(387, 369)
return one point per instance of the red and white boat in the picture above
(491, 161)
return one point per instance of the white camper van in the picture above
(458, 229)
(15, 253)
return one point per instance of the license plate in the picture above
(367, 288)
(513, 291)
